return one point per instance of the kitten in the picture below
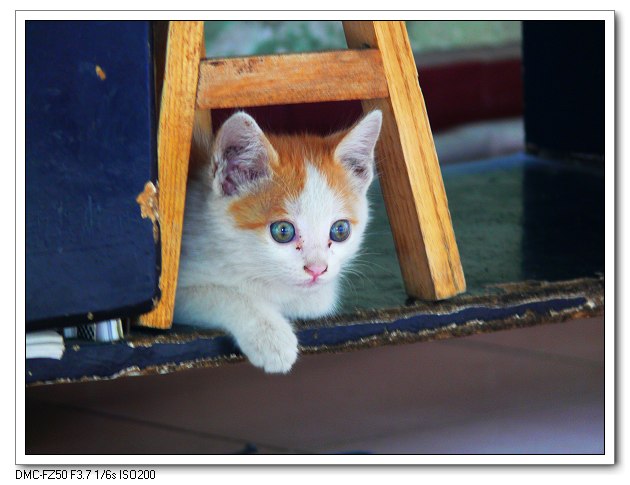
(270, 223)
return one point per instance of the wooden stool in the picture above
(379, 69)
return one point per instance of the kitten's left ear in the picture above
(242, 155)
(356, 149)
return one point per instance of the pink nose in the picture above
(315, 270)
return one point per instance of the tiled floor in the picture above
(534, 390)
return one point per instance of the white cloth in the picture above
(46, 344)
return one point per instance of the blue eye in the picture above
(340, 230)
(282, 231)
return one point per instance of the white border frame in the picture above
(608, 458)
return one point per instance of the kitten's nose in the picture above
(315, 270)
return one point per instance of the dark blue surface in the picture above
(563, 221)
(563, 77)
(344, 334)
(90, 149)
(107, 360)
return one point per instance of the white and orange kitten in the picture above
(270, 224)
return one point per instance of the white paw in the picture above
(271, 345)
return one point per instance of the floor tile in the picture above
(568, 429)
(584, 342)
(57, 429)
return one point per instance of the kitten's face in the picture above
(299, 202)
(319, 231)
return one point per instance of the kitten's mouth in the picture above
(312, 283)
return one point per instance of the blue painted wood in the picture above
(90, 149)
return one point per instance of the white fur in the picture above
(244, 282)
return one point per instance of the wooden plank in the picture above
(292, 78)
(410, 172)
(177, 110)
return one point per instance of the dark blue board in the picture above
(90, 150)
(99, 361)
(563, 78)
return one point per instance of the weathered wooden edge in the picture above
(177, 110)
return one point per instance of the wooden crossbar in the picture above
(291, 78)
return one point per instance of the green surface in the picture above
(486, 209)
(515, 218)
(242, 38)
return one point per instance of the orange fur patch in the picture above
(267, 204)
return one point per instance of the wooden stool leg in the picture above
(409, 169)
(177, 111)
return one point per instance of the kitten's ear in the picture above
(242, 155)
(356, 149)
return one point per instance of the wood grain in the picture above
(291, 78)
(177, 110)
(409, 170)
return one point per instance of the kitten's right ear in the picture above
(356, 149)
(241, 154)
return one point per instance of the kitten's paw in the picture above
(272, 347)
